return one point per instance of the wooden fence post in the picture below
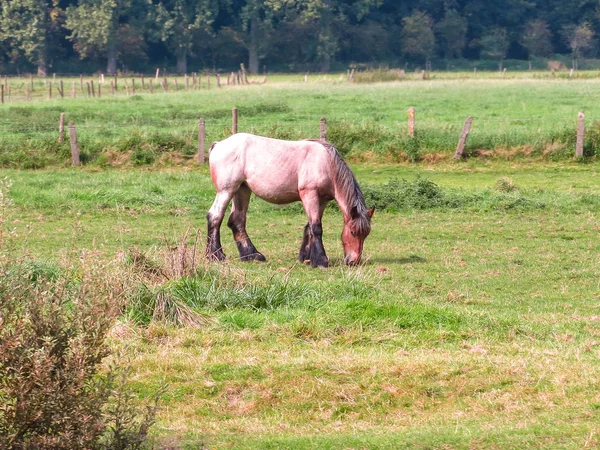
(187, 83)
(61, 128)
(323, 129)
(50, 91)
(61, 89)
(99, 90)
(157, 72)
(176, 85)
(88, 89)
(2, 94)
(133, 86)
(580, 135)
(503, 73)
(81, 82)
(116, 83)
(218, 77)
(112, 87)
(234, 121)
(462, 141)
(165, 85)
(31, 82)
(201, 140)
(74, 148)
(93, 88)
(143, 83)
(411, 121)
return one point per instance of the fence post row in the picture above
(411, 121)
(323, 129)
(234, 120)
(61, 128)
(462, 141)
(580, 135)
(74, 148)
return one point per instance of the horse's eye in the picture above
(353, 233)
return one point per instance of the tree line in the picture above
(287, 35)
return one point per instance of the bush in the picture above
(52, 347)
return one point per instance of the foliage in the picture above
(418, 39)
(537, 38)
(494, 44)
(283, 34)
(52, 348)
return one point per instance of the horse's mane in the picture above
(347, 187)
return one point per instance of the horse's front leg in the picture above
(237, 223)
(312, 243)
(214, 218)
(304, 254)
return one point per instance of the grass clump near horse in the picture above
(283, 172)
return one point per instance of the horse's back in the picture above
(275, 170)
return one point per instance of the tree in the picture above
(453, 32)
(179, 23)
(580, 39)
(418, 40)
(95, 26)
(27, 27)
(537, 38)
(330, 16)
(494, 44)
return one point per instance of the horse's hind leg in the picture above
(237, 223)
(214, 218)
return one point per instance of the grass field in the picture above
(474, 321)
(468, 327)
(511, 117)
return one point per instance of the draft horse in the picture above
(283, 172)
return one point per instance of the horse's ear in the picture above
(354, 213)
(370, 212)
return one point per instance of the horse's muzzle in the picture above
(351, 260)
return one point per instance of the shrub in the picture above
(52, 347)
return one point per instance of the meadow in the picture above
(473, 321)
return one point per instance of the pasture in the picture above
(473, 321)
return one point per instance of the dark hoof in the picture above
(254, 257)
(323, 263)
(216, 256)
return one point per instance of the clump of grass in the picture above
(421, 193)
(506, 185)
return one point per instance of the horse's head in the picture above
(356, 229)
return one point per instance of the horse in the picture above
(282, 172)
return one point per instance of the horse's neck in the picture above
(344, 202)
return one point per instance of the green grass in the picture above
(473, 322)
(513, 118)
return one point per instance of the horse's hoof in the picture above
(254, 257)
(323, 264)
(216, 256)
